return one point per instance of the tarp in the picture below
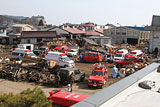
(110, 46)
(90, 41)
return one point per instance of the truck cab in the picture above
(128, 60)
(65, 99)
(62, 49)
(92, 57)
(120, 55)
(98, 76)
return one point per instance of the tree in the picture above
(27, 98)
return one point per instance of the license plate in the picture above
(94, 85)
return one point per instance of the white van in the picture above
(21, 52)
(60, 58)
(120, 54)
(136, 53)
(26, 46)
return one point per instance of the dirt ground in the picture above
(7, 86)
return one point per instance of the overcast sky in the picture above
(56, 12)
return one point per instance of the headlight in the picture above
(89, 80)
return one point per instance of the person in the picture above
(106, 58)
(80, 57)
(20, 57)
(114, 71)
(147, 59)
(71, 78)
(111, 58)
(69, 88)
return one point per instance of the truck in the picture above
(98, 76)
(66, 72)
(92, 57)
(62, 49)
(120, 54)
(128, 60)
(65, 99)
(26, 46)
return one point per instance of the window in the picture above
(1, 30)
(123, 33)
(155, 37)
(77, 72)
(97, 73)
(117, 33)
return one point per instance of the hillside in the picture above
(34, 20)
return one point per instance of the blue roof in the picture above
(138, 28)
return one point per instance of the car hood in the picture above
(70, 61)
(70, 52)
(96, 78)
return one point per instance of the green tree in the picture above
(27, 98)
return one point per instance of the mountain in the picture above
(34, 20)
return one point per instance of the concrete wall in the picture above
(32, 40)
(154, 40)
(120, 34)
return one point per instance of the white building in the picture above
(128, 34)
(154, 43)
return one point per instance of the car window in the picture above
(76, 71)
(97, 73)
(14, 53)
(118, 55)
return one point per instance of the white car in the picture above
(72, 52)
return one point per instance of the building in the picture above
(16, 32)
(101, 40)
(154, 42)
(36, 37)
(128, 34)
(127, 93)
(4, 39)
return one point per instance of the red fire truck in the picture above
(98, 76)
(92, 57)
(65, 99)
(63, 49)
(128, 60)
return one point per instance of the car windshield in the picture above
(31, 54)
(56, 49)
(66, 58)
(71, 51)
(97, 73)
(118, 55)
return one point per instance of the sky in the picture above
(57, 12)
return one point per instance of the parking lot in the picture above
(78, 87)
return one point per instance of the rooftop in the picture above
(92, 32)
(127, 93)
(73, 30)
(38, 34)
(138, 28)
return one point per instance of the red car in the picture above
(63, 49)
(92, 57)
(98, 77)
(128, 60)
(65, 99)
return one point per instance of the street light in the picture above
(120, 33)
